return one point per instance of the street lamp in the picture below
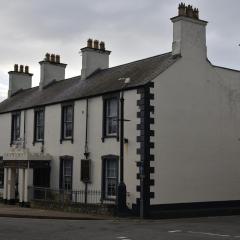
(121, 189)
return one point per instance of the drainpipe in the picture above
(86, 153)
(24, 130)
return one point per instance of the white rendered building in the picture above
(182, 139)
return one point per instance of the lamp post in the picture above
(121, 189)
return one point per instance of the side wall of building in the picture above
(197, 147)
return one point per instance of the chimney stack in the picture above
(19, 79)
(51, 70)
(94, 57)
(189, 33)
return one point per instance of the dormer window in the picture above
(67, 122)
(15, 130)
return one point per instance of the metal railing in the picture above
(68, 197)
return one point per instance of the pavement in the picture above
(14, 211)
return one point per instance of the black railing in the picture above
(68, 197)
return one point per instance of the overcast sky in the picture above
(131, 29)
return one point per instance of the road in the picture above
(177, 229)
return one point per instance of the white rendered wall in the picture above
(197, 147)
(5, 132)
(97, 148)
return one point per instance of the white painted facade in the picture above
(196, 124)
(97, 148)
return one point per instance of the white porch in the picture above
(19, 164)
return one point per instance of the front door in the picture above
(41, 177)
(41, 181)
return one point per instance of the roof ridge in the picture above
(143, 59)
(141, 72)
(98, 70)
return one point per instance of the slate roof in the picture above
(101, 82)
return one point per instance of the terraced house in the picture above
(181, 127)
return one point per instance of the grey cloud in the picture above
(132, 29)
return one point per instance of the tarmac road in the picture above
(179, 229)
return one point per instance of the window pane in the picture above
(69, 113)
(67, 121)
(16, 127)
(111, 177)
(39, 125)
(67, 174)
(111, 116)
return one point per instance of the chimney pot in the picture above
(57, 58)
(26, 69)
(90, 43)
(47, 57)
(102, 46)
(16, 68)
(189, 11)
(52, 58)
(21, 68)
(181, 9)
(96, 44)
(196, 13)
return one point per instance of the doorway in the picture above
(41, 181)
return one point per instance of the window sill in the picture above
(110, 136)
(38, 141)
(66, 140)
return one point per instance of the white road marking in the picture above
(210, 234)
(175, 231)
(124, 238)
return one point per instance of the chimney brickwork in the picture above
(189, 33)
(51, 70)
(94, 57)
(19, 79)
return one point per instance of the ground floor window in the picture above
(66, 169)
(110, 176)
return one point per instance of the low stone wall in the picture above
(100, 209)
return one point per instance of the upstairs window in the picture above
(67, 122)
(39, 125)
(15, 131)
(110, 117)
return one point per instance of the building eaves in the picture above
(101, 82)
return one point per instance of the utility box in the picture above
(86, 170)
